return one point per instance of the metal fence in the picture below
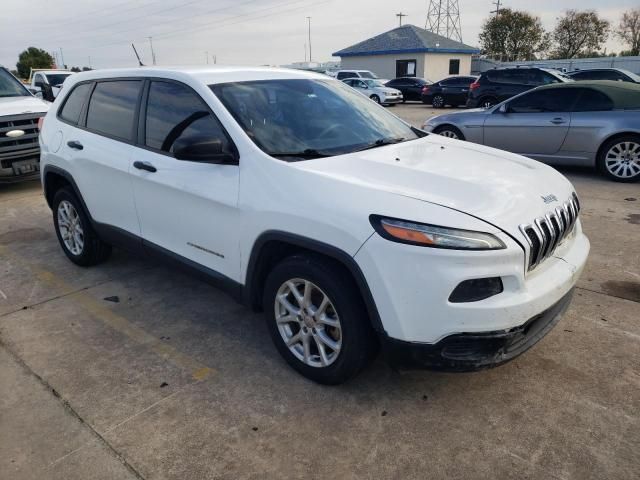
(479, 65)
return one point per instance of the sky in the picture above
(99, 33)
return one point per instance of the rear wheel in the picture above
(619, 159)
(438, 101)
(77, 238)
(488, 102)
(449, 131)
(317, 319)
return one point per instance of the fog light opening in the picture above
(476, 289)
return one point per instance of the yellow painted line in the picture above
(115, 321)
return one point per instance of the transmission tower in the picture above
(443, 18)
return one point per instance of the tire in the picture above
(350, 332)
(83, 247)
(619, 159)
(449, 131)
(488, 102)
(438, 101)
(375, 98)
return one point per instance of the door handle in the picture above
(144, 166)
(75, 145)
(558, 121)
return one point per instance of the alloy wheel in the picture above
(438, 101)
(70, 227)
(308, 322)
(448, 134)
(623, 160)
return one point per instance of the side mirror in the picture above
(205, 150)
(504, 108)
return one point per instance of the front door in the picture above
(185, 207)
(535, 123)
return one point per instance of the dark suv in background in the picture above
(616, 74)
(497, 85)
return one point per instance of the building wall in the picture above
(433, 66)
(384, 66)
(437, 65)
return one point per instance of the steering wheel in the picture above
(329, 129)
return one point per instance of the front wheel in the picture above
(317, 319)
(449, 131)
(375, 98)
(619, 159)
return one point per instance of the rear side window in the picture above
(175, 112)
(342, 75)
(112, 108)
(593, 101)
(75, 101)
(549, 100)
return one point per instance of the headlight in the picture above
(425, 235)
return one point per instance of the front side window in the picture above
(175, 113)
(307, 118)
(541, 101)
(74, 103)
(112, 108)
(10, 86)
(342, 75)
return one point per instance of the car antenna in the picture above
(137, 56)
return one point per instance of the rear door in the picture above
(98, 150)
(186, 207)
(535, 123)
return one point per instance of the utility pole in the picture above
(309, 22)
(497, 10)
(62, 58)
(153, 54)
(305, 52)
(400, 15)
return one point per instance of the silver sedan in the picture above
(594, 123)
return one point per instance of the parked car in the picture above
(342, 74)
(495, 86)
(375, 90)
(580, 123)
(347, 226)
(48, 83)
(410, 87)
(616, 74)
(20, 112)
(450, 91)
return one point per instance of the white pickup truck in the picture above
(47, 83)
(20, 112)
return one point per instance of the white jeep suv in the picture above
(351, 229)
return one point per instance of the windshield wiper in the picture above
(309, 153)
(381, 142)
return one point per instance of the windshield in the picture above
(56, 79)
(10, 86)
(304, 118)
(373, 83)
(366, 74)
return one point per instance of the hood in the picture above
(498, 187)
(20, 105)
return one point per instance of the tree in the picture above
(579, 34)
(33, 57)
(513, 35)
(629, 31)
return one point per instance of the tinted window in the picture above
(112, 108)
(395, 82)
(593, 101)
(449, 82)
(454, 67)
(175, 112)
(74, 103)
(342, 75)
(553, 100)
(509, 76)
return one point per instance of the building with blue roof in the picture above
(409, 51)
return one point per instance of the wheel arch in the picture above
(273, 246)
(55, 178)
(614, 136)
(442, 126)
